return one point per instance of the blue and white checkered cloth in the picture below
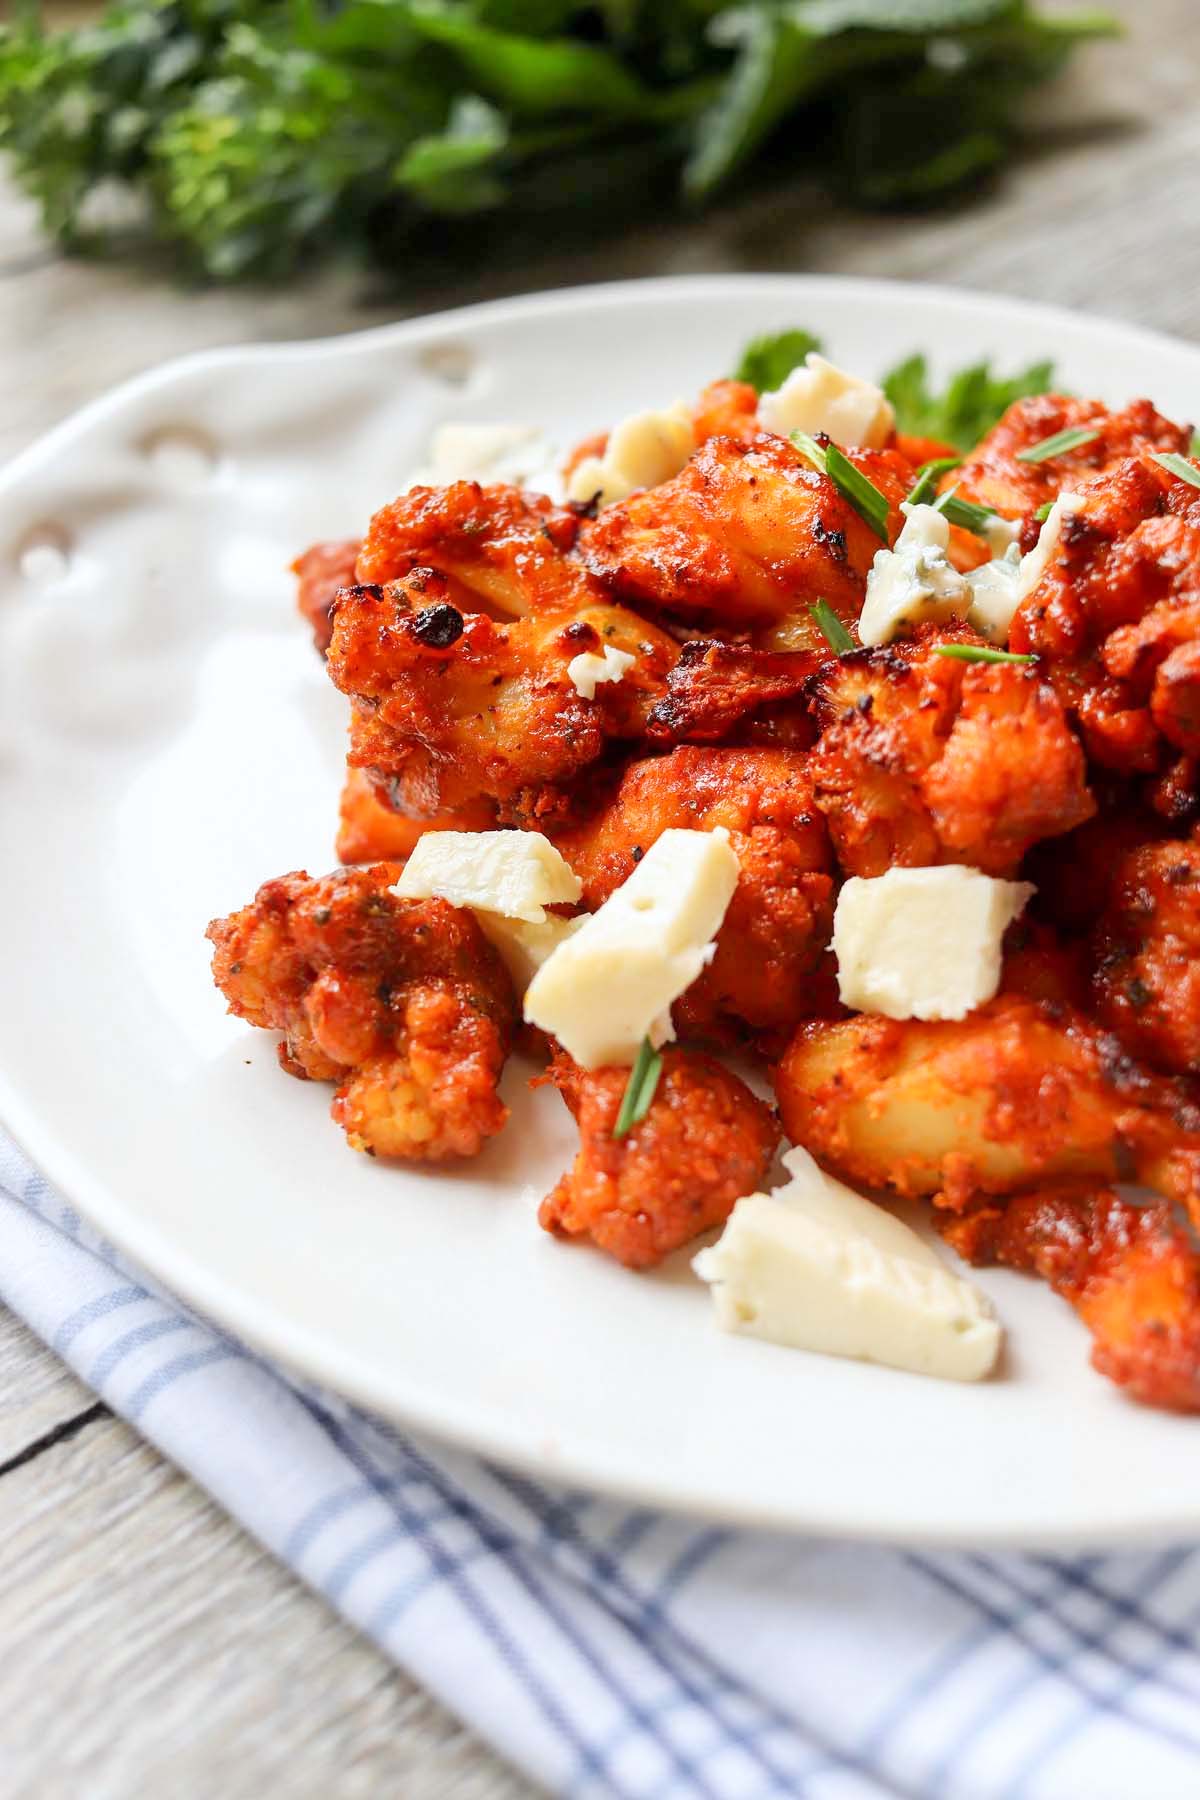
(616, 1652)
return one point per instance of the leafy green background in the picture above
(255, 135)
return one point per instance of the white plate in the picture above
(168, 740)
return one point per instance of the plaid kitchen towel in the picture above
(614, 1651)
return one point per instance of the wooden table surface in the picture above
(149, 1646)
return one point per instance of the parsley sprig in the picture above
(639, 1089)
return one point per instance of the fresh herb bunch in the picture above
(256, 134)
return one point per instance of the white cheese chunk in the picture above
(999, 587)
(915, 582)
(611, 984)
(815, 1266)
(923, 943)
(489, 453)
(587, 669)
(821, 397)
(994, 587)
(1034, 566)
(515, 873)
(642, 451)
(523, 946)
(1000, 534)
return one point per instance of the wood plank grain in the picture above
(38, 1394)
(152, 1648)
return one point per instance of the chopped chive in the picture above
(857, 489)
(1178, 465)
(1043, 512)
(1058, 445)
(976, 653)
(868, 502)
(966, 513)
(927, 478)
(639, 1089)
(834, 632)
(809, 449)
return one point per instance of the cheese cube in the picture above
(587, 669)
(923, 943)
(643, 450)
(523, 946)
(915, 582)
(611, 984)
(821, 397)
(816, 1267)
(515, 873)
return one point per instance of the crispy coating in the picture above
(320, 572)
(924, 760)
(404, 1003)
(1129, 1271)
(1147, 955)
(1074, 874)
(716, 690)
(1019, 1093)
(778, 924)
(503, 550)
(369, 831)
(705, 1142)
(1114, 621)
(726, 409)
(452, 707)
(745, 534)
(993, 476)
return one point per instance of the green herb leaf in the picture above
(975, 653)
(639, 1089)
(254, 137)
(1178, 465)
(854, 487)
(1058, 444)
(857, 489)
(969, 405)
(868, 502)
(928, 475)
(832, 629)
(966, 513)
(809, 449)
(768, 361)
(1043, 512)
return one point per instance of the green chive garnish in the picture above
(927, 478)
(834, 632)
(1043, 512)
(809, 449)
(966, 513)
(1058, 445)
(639, 1089)
(855, 488)
(1178, 465)
(975, 653)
